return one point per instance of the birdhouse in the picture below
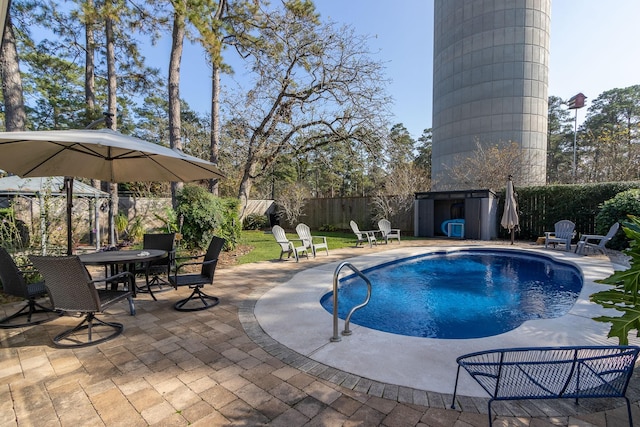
(576, 101)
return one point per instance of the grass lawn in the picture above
(263, 246)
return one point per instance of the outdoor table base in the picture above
(127, 259)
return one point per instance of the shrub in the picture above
(205, 216)
(328, 227)
(616, 210)
(255, 221)
(622, 296)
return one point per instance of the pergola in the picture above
(54, 186)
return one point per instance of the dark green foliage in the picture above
(624, 291)
(616, 210)
(541, 207)
(206, 216)
(231, 227)
(328, 227)
(255, 221)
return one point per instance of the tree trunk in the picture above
(215, 122)
(89, 65)
(245, 186)
(90, 104)
(111, 77)
(216, 60)
(14, 111)
(175, 121)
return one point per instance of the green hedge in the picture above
(541, 207)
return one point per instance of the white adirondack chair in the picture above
(309, 241)
(563, 233)
(387, 232)
(286, 245)
(595, 241)
(363, 236)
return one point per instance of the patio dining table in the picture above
(123, 261)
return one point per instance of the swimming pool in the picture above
(460, 294)
(290, 314)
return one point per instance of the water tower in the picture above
(490, 80)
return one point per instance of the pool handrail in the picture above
(336, 336)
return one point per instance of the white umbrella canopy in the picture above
(510, 219)
(97, 154)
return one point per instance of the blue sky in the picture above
(592, 50)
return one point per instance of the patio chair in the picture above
(286, 245)
(309, 241)
(387, 232)
(595, 241)
(196, 281)
(14, 283)
(363, 236)
(158, 268)
(72, 290)
(564, 232)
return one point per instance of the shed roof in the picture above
(14, 185)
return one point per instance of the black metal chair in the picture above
(14, 283)
(72, 290)
(161, 241)
(196, 281)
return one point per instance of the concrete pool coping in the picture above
(290, 313)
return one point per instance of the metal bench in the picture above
(551, 373)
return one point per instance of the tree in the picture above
(175, 122)
(399, 150)
(488, 167)
(315, 86)
(559, 142)
(14, 110)
(609, 136)
(291, 201)
(222, 23)
(424, 148)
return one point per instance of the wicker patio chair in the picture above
(196, 281)
(72, 290)
(159, 268)
(14, 283)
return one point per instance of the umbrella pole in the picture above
(68, 183)
(513, 231)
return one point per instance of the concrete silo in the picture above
(491, 72)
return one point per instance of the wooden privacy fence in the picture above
(336, 213)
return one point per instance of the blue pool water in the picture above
(460, 294)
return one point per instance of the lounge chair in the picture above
(286, 245)
(362, 236)
(14, 283)
(309, 241)
(72, 291)
(387, 232)
(563, 233)
(595, 241)
(196, 281)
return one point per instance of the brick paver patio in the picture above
(217, 367)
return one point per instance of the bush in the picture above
(205, 216)
(255, 222)
(617, 209)
(328, 227)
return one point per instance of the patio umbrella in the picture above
(510, 215)
(97, 154)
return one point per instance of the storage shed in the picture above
(476, 209)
